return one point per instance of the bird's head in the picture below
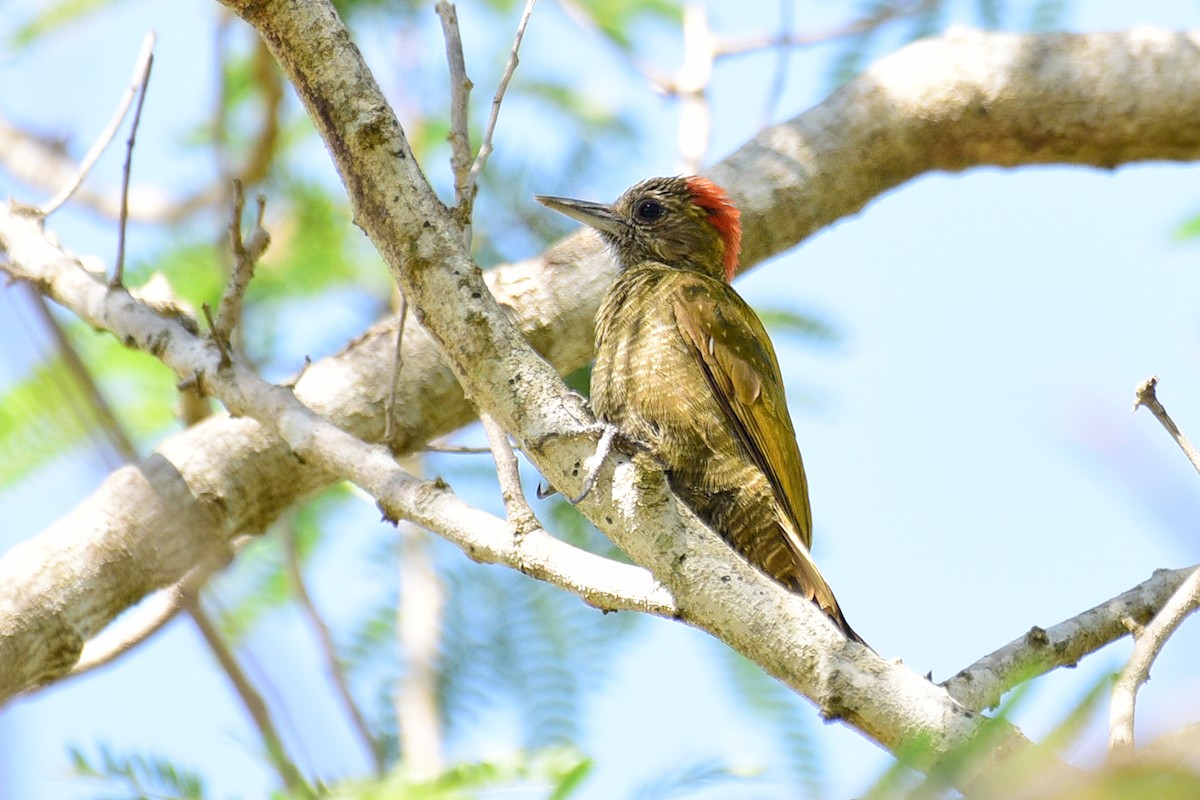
(683, 222)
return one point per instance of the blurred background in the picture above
(960, 357)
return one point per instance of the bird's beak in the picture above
(597, 215)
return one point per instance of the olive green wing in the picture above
(732, 348)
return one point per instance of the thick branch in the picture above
(943, 104)
(425, 251)
(966, 100)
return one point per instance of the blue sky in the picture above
(973, 462)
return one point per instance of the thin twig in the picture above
(333, 664)
(389, 408)
(226, 20)
(485, 146)
(520, 515)
(141, 73)
(268, 80)
(454, 449)
(118, 277)
(779, 78)
(246, 253)
(218, 340)
(460, 96)
(886, 13)
(1145, 396)
(1147, 645)
(255, 705)
(578, 13)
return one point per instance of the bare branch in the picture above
(520, 515)
(192, 381)
(419, 631)
(460, 97)
(255, 705)
(884, 13)
(782, 57)
(579, 13)
(453, 449)
(981, 685)
(1146, 647)
(1145, 396)
(418, 239)
(141, 74)
(321, 445)
(691, 86)
(485, 147)
(943, 104)
(246, 253)
(118, 277)
(389, 408)
(328, 648)
(141, 624)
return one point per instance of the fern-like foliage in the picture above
(525, 646)
(136, 775)
(686, 780)
(789, 721)
(553, 774)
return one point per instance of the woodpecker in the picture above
(685, 367)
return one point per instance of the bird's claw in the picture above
(595, 462)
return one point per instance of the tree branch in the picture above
(1147, 645)
(118, 275)
(422, 244)
(246, 252)
(141, 74)
(253, 701)
(981, 685)
(952, 103)
(50, 604)
(1146, 396)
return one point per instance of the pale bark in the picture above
(981, 685)
(966, 100)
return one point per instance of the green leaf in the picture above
(560, 769)
(54, 17)
(1188, 230)
(813, 329)
(572, 779)
(507, 639)
(41, 417)
(616, 18)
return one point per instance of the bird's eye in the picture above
(648, 211)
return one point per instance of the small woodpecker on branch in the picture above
(685, 367)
